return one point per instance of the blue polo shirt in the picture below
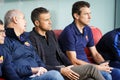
(71, 39)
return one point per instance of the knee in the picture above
(106, 75)
(56, 75)
(116, 73)
(91, 66)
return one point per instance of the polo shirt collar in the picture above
(77, 30)
(38, 33)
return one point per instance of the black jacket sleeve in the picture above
(61, 56)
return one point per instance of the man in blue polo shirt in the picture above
(111, 49)
(6, 69)
(77, 36)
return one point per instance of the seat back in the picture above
(57, 32)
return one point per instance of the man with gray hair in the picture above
(26, 62)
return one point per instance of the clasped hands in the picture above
(105, 67)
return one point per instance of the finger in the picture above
(108, 69)
(73, 77)
(70, 77)
(76, 74)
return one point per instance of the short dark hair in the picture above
(1, 23)
(77, 6)
(36, 12)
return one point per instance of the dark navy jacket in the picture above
(109, 45)
(6, 69)
(22, 52)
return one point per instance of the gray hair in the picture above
(9, 15)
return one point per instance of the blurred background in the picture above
(105, 13)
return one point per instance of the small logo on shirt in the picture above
(1, 59)
(27, 43)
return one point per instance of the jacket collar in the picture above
(47, 33)
(10, 33)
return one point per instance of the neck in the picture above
(17, 32)
(39, 31)
(80, 26)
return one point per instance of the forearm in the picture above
(96, 55)
(98, 58)
(23, 71)
(80, 62)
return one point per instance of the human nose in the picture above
(4, 34)
(50, 21)
(89, 16)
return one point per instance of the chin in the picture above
(2, 42)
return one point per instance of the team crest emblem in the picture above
(27, 43)
(1, 59)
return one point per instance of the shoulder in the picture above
(111, 34)
(32, 33)
(70, 27)
(3, 55)
(8, 40)
(50, 32)
(68, 30)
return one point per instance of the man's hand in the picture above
(66, 71)
(105, 67)
(41, 71)
(38, 70)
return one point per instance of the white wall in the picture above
(117, 23)
(102, 11)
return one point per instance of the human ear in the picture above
(76, 16)
(36, 22)
(14, 19)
